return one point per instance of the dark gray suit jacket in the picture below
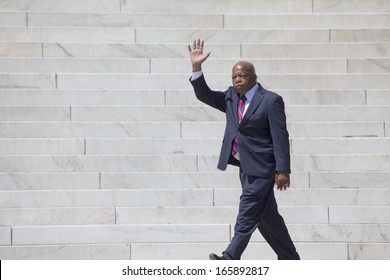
(262, 134)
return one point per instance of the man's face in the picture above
(243, 77)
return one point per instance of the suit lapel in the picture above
(256, 100)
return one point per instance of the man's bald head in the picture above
(243, 76)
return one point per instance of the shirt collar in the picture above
(249, 95)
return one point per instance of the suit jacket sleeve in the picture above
(279, 134)
(212, 98)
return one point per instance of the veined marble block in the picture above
(147, 20)
(213, 215)
(16, 49)
(81, 97)
(67, 34)
(350, 6)
(64, 65)
(362, 180)
(369, 251)
(133, 50)
(79, 198)
(263, 66)
(358, 215)
(47, 181)
(66, 252)
(336, 129)
(359, 35)
(13, 19)
(89, 6)
(29, 81)
(106, 234)
(222, 6)
(317, 50)
(152, 146)
(57, 216)
(308, 20)
(34, 113)
(102, 129)
(331, 233)
(290, 97)
(144, 113)
(242, 36)
(107, 163)
(369, 65)
(170, 180)
(341, 146)
(25, 146)
(378, 97)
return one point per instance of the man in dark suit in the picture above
(256, 140)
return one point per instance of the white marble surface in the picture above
(90, 129)
(52, 235)
(170, 180)
(57, 216)
(16, 49)
(320, 162)
(146, 20)
(366, 251)
(317, 50)
(110, 163)
(5, 236)
(66, 252)
(341, 146)
(368, 65)
(378, 97)
(333, 233)
(60, 5)
(29, 81)
(350, 6)
(137, 197)
(362, 179)
(47, 181)
(359, 35)
(359, 215)
(81, 97)
(26, 146)
(64, 65)
(263, 66)
(13, 19)
(222, 6)
(34, 113)
(244, 36)
(309, 20)
(67, 34)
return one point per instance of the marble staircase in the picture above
(105, 153)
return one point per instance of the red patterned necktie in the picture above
(240, 112)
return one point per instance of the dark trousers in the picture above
(258, 209)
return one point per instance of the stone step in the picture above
(192, 251)
(109, 163)
(186, 195)
(114, 234)
(181, 65)
(252, 6)
(13, 19)
(180, 129)
(215, 81)
(73, 198)
(108, 234)
(180, 163)
(296, 129)
(87, 6)
(180, 97)
(355, 162)
(228, 50)
(187, 35)
(202, 113)
(339, 146)
(57, 216)
(91, 146)
(188, 215)
(202, 20)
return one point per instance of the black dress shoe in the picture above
(215, 257)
